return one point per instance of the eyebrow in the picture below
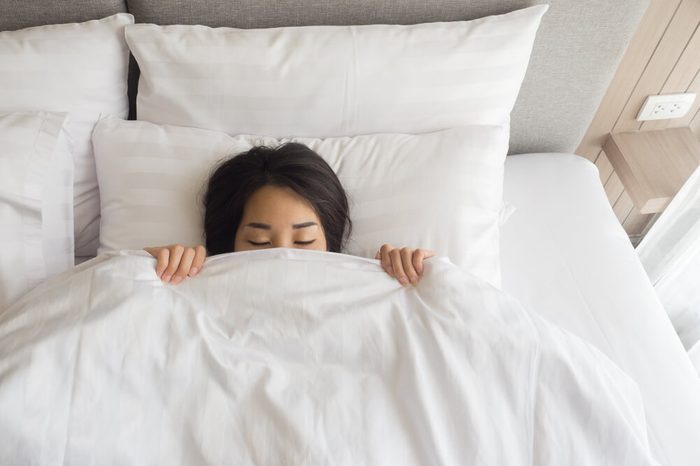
(265, 226)
(303, 225)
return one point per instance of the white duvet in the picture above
(286, 357)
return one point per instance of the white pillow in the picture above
(440, 190)
(76, 68)
(36, 202)
(323, 81)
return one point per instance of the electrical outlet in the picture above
(667, 106)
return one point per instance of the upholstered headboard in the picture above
(578, 46)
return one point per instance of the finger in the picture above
(424, 254)
(162, 259)
(385, 262)
(407, 263)
(386, 258)
(185, 264)
(198, 262)
(399, 273)
(418, 257)
(175, 256)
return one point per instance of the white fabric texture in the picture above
(441, 190)
(694, 354)
(339, 364)
(36, 202)
(565, 256)
(670, 253)
(320, 81)
(79, 69)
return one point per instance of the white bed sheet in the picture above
(565, 256)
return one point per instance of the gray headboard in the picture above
(577, 50)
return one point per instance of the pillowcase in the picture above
(440, 190)
(79, 68)
(323, 81)
(36, 201)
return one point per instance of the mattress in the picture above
(694, 354)
(565, 256)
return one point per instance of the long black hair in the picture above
(290, 165)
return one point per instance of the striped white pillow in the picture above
(36, 201)
(324, 81)
(78, 68)
(440, 190)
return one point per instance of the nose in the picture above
(282, 243)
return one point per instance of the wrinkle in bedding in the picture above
(301, 357)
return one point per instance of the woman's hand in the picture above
(175, 262)
(404, 264)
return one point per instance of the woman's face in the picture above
(276, 217)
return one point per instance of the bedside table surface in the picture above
(653, 165)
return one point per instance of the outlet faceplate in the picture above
(662, 107)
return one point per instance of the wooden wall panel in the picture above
(605, 168)
(682, 76)
(663, 57)
(636, 223)
(623, 206)
(695, 110)
(695, 124)
(667, 54)
(614, 188)
(640, 49)
(694, 120)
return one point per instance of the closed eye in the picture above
(265, 243)
(304, 243)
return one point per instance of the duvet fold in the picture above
(289, 357)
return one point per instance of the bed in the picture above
(568, 257)
(564, 255)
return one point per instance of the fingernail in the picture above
(193, 271)
(177, 280)
(403, 281)
(166, 278)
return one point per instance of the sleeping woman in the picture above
(283, 197)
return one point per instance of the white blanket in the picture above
(286, 357)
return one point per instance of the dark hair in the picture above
(290, 165)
